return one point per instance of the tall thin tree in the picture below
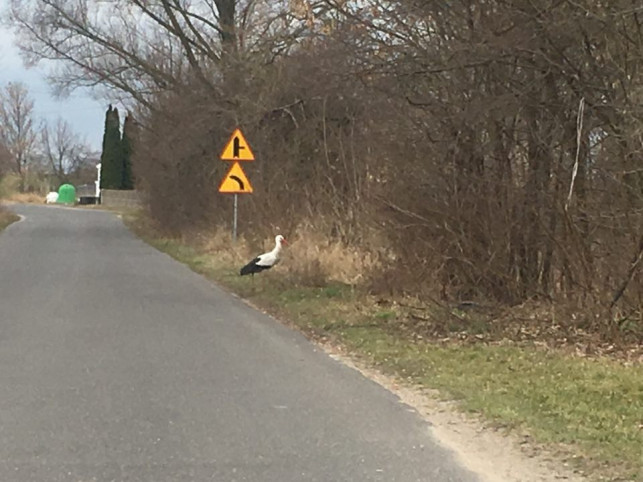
(111, 157)
(17, 133)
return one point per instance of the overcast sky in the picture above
(84, 114)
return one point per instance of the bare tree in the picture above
(16, 125)
(140, 48)
(63, 150)
(5, 160)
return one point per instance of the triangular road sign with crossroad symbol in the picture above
(237, 148)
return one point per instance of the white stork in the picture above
(266, 260)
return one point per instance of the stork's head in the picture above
(279, 240)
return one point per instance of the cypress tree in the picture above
(129, 135)
(103, 165)
(111, 157)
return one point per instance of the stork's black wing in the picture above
(253, 267)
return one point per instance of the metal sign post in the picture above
(235, 181)
(234, 219)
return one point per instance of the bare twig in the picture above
(636, 261)
(579, 132)
(286, 109)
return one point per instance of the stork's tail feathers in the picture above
(248, 269)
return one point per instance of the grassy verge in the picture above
(10, 191)
(589, 409)
(6, 218)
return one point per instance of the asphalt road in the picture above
(119, 364)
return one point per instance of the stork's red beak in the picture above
(284, 241)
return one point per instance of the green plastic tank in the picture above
(66, 194)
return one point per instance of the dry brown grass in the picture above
(218, 242)
(10, 192)
(25, 198)
(310, 258)
(313, 259)
(6, 218)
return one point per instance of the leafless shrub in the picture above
(442, 146)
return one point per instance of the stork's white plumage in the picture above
(264, 261)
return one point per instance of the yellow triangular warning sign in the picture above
(237, 148)
(235, 181)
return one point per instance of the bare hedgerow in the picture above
(487, 153)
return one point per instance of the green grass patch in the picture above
(594, 404)
(385, 315)
(590, 409)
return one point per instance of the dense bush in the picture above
(477, 150)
